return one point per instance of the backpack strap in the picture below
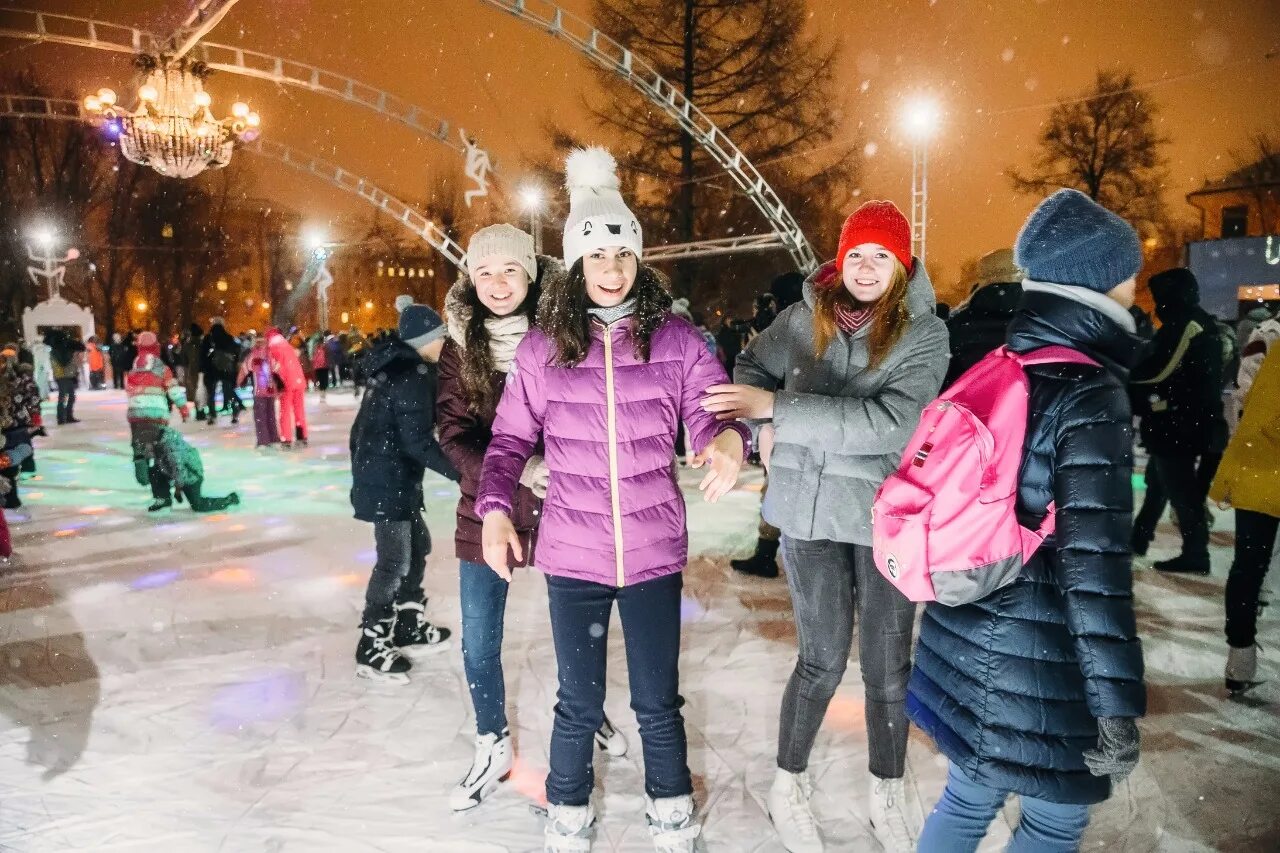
(1052, 355)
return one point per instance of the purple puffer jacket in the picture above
(590, 530)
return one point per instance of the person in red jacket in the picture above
(293, 409)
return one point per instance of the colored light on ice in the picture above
(351, 579)
(155, 580)
(691, 610)
(846, 714)
(65, 532)
(233, 577)
(236, 528)
(529, 780)
(93, 510)
(270, 698)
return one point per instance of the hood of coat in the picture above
(392, 355)
(1059, 316)
(920, 297)
(993, 300)
(458, 312)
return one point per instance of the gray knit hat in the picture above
(506, 241)
(1071, 239)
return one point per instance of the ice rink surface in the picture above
(185, 683)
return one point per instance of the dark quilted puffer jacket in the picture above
(1010, 687)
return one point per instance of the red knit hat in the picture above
(877, 222)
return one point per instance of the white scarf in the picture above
(505, 334)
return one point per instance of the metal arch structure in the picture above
(25, 106)
(640, 75)
(31, 25)
(709, 248)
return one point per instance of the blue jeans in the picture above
(484, 603)
(959, 821)
(650, 614)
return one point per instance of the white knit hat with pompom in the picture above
(598, 217)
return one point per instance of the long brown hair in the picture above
(477, 358)
(889, 316)
(563, 313)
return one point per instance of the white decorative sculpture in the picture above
(477, 167)
(54, 311)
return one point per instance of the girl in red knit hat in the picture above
(839, 380)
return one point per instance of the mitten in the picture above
(1117, 752)
(536, 476)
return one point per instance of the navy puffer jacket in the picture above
(1010, 687)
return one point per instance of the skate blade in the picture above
(425, 650)
(370, 674)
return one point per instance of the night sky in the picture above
(994, 68)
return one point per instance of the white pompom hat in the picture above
(598, 217)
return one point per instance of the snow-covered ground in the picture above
(185, 683)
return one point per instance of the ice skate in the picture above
(377, 659)
(673, 826)
(490, 767)
(160, 504)
(890, 816)
(611, 740)
(1242, 670)
(791, 812)
(569, 829)
(414, 635)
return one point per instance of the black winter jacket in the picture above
(219, 340)
(1010, 687)
(1177, 387)
(393, 437)
(980, 326)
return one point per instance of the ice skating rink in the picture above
(185, 683)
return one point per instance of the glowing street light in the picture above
(531, 197)
(44, 238)
(921, 121)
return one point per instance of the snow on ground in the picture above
(185, 683)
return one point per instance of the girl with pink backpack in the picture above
(843, 374)
(1033, 686)
(603, 381)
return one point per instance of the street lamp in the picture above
(531, 198)
(44, 238)
(921, 120)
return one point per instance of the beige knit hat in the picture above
(997, 268)
(505, 241)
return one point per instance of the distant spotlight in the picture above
(921, 118)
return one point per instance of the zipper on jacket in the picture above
(613, 450)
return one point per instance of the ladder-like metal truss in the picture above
(708, 248)
(101, 35)
(25, 106)
(633, 69)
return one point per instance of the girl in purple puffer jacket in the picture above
(604, 382)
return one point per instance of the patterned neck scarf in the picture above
(608, 316)
(850, 320)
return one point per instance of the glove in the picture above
(536, 476)
(1117, 752)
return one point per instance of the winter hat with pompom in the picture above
(403, 301)
(598, 217)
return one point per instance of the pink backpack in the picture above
(944, 525)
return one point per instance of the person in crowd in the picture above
(293, 391)
(392, 444)
(490, 309)
(841, 378)
(42, 367)
(66, 355)
(1252, 320)
(177, 465)
(337, 347)
(20, 420)
(1247, 481)
(1177, 391)
(189, 357)
(357, 348)
(729, 342)
(219, 361)
(259, 371)
(1261, 340)
(97, 364)
(320, 363)
(979, 325)
(604, 379)
(1035, 689)
(10, 459)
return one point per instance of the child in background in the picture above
(258, 369)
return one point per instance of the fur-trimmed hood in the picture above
(458, 313)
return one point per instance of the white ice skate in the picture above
(792, 813)
(673, 825)
(891, 817)
(569, 829)
(490, 768)
(611, 740)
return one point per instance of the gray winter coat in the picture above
(840, 428)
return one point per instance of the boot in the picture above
(1242, 669)
(1184, 564)
(414, 635)
(1138, 543)
(611, 740)
(789, 808)
(673, 825)
(892, 820)
(569, 829)
(490, 767)
(159, 504)
(763, 563)
(377, 659)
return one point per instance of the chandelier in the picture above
(172, 129)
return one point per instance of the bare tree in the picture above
(748, 65)
(1106, 145)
